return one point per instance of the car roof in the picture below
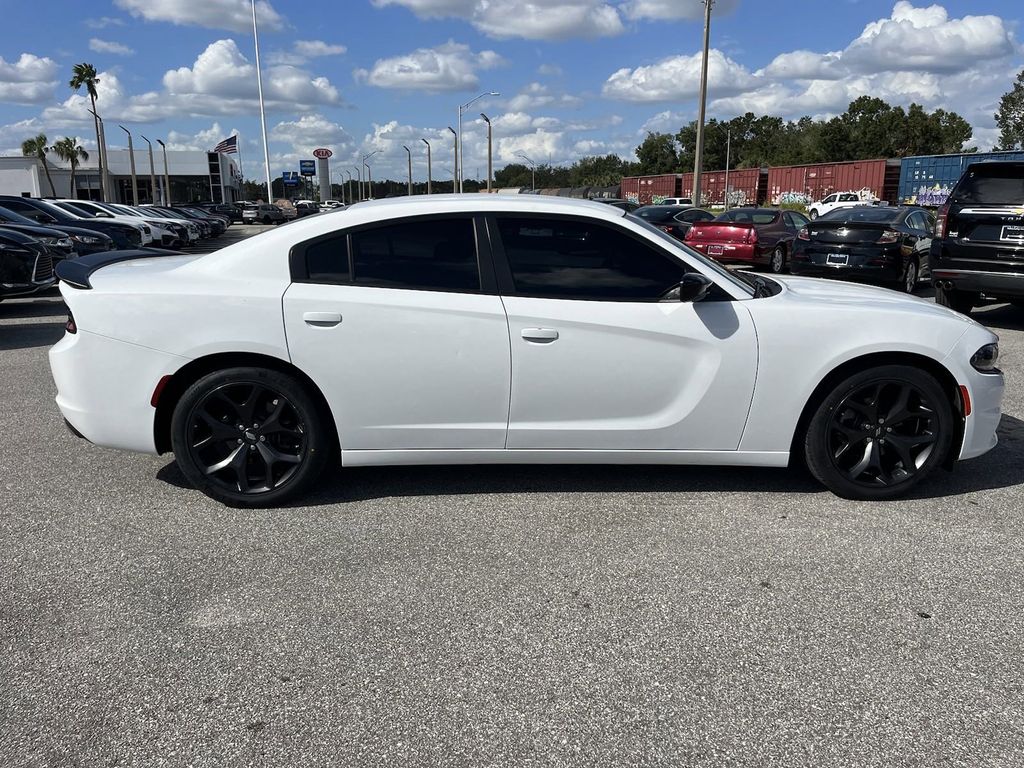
(395, 207)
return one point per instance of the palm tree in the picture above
(37, 148)
(85, 75)
(69, 151)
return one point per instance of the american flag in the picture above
(229, 145)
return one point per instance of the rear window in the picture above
(880, 215)
(991, 184)
(749, 216)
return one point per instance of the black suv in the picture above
(978, 246)
(46, 213)
(26, 266)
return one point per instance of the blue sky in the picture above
(576, 77)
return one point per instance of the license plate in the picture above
(837, 259)
(715, 250)
(1013, 233)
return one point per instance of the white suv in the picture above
(840, 200)
(680, 201)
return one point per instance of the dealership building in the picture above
(194, 177)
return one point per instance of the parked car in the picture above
(160, 234)
(26, 266)
(332, 204)
(887, 245)
(57, 243)
(83, 241)
(516, 329)
(674, 219)
(233, 211)
(978, 248)
(684, 201)
(627, 205)
(217, 224)
(758, 236)
(838, 200)
(264, 213)
(287, 208)
(175, 232)
(306, 208)
(46, 213)
(193, 231)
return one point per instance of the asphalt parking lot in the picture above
(519, 616)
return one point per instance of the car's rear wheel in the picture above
(959, 301)
(813, 214)
(911, 273)
(250, 437)
(777, 261)
(879, 433)
(266, 219)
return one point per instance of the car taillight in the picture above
(803, 234)
(940, 221)
(665, 229)
(70, 326)
(889, 236)
(691, 234)
(751, 236)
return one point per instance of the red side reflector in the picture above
(965, 398)
(159, 389)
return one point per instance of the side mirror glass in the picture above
(692, 288)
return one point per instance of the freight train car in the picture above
(747, 186)
(928, 179)
(808, 183)
(650, 190)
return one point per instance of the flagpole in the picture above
(241, 171)
(263, 114)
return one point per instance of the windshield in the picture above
(655, 211)
(993, 185)
(865, 213)
(15, 218)
(77, 210)
(677, 246)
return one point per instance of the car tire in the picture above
(959, 301)
(911, 274)
(250, 437)
(266, 219)
(879, 432)
(812, 214)
(777, 260)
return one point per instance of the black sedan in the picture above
(674, 219)
(26, 266)
(886, 245)
(49, 215)
(63, 241)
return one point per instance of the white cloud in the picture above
(667, 121)
(304, 50)
(448, 67)
(670, 10)
(203, 140)
(103, 22)
(29, 80)
(531, 19)
(106, 46)
(549, 70)
(678, 77)
(312, 131)
(536, 95)
(235, 15)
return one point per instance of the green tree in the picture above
(68, 150)
(37, 148)
(84, 76)
(1010, 117)
(658, 154)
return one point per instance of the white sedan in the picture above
(492, 329)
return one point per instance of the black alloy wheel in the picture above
(879, 433)
(249, 436)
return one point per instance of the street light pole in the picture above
(350, 200)
(152, 172)
(166, 197)
(409, 153)
(359, 181)
(533, 171)
(490, 156)
(455, 172)
(459, 169)
(104, 161)
(429, 184)
(369, 178)
(263, 113)
(131, 157)
(698, 161)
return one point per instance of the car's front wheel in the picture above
(250, 437)
(879, 433)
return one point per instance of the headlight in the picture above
(64, 242)
(49, 240)
(87, 240)
(985, 359)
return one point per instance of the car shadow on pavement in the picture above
(26, 335)
(997, 469)
(1002, 316)
(48, 307)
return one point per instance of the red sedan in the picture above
(762, 236)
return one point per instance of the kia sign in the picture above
(322, 153)
(307, 167)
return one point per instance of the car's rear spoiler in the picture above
(76, 272)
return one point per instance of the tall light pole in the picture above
(698, 160)
(263, 113)
(455, 171)
(533, 169)
(409, 153)
(490, 157)
(104, 161)
(429, 184)
(369, 178)
(131, 157)
(152, 172)
(350, 198)
(459, 169)
(166, 197)
(359, 181)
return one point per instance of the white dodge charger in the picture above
(472, 329)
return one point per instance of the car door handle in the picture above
(322, 319)
(540, 335)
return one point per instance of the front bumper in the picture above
(985, 391)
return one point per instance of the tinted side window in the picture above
(584, 260)
(327, 260)
(433, 254)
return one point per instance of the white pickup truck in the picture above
(840, 200)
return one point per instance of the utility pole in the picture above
(131, 157)
(490, 164)
(409, 153)
(429, 185)
(698, 162)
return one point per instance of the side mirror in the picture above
(692, 288)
